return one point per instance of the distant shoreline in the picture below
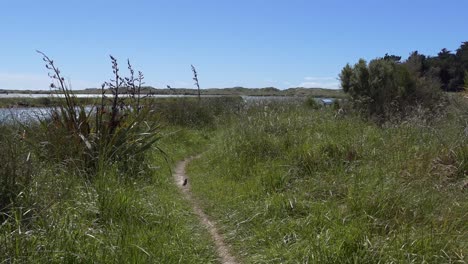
(236, 91)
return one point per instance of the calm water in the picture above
(25, 114)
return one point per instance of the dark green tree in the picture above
(465, 82)
(359, 83)
(462, 54)
(393, 58)
(385, 88)
(345, 77)
(416, 63)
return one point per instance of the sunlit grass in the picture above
(114, 220)
(294, 185)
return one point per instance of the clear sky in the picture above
(250, 43)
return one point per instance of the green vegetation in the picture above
(56, 210)
(94, 186)
(447, 67)
(55, 215)
(386, 89)
(286, 181)
(297, 185)
(466, 81)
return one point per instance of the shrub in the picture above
(336, 105)
(45, 101)
(385, 88)
(312, 103)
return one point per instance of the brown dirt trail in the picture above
(180, 176)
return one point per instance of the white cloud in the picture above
(331, 85)
(181, 84)
(320, 82)
(31, 81)
(319, 78)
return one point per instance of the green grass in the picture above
(64, 219)
(287, 183)
(55, 208)
(51, 212)
(291, 185)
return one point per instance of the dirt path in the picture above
(180, 177)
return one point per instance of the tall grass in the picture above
(204, 113)
(16, 169)
(52, 212)
(287, 182)
(89, 183)
(116, 218)
(290, 184)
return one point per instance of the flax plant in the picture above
(118, 129)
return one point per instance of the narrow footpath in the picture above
(183, 183)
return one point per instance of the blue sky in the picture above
(250, 43)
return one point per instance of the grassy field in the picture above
(54, 210)
(62, 218)
(286, 181)
(292, 185)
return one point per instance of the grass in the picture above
(296, 185)
(287, 182)
(63, 218)
(82, 186)
(54, 209)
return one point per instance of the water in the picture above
(27, 114)
(23, 114)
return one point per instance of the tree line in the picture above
(450, 68)
(387, 86)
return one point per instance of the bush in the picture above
(336, 105)
(312, 103)
(385, 88)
